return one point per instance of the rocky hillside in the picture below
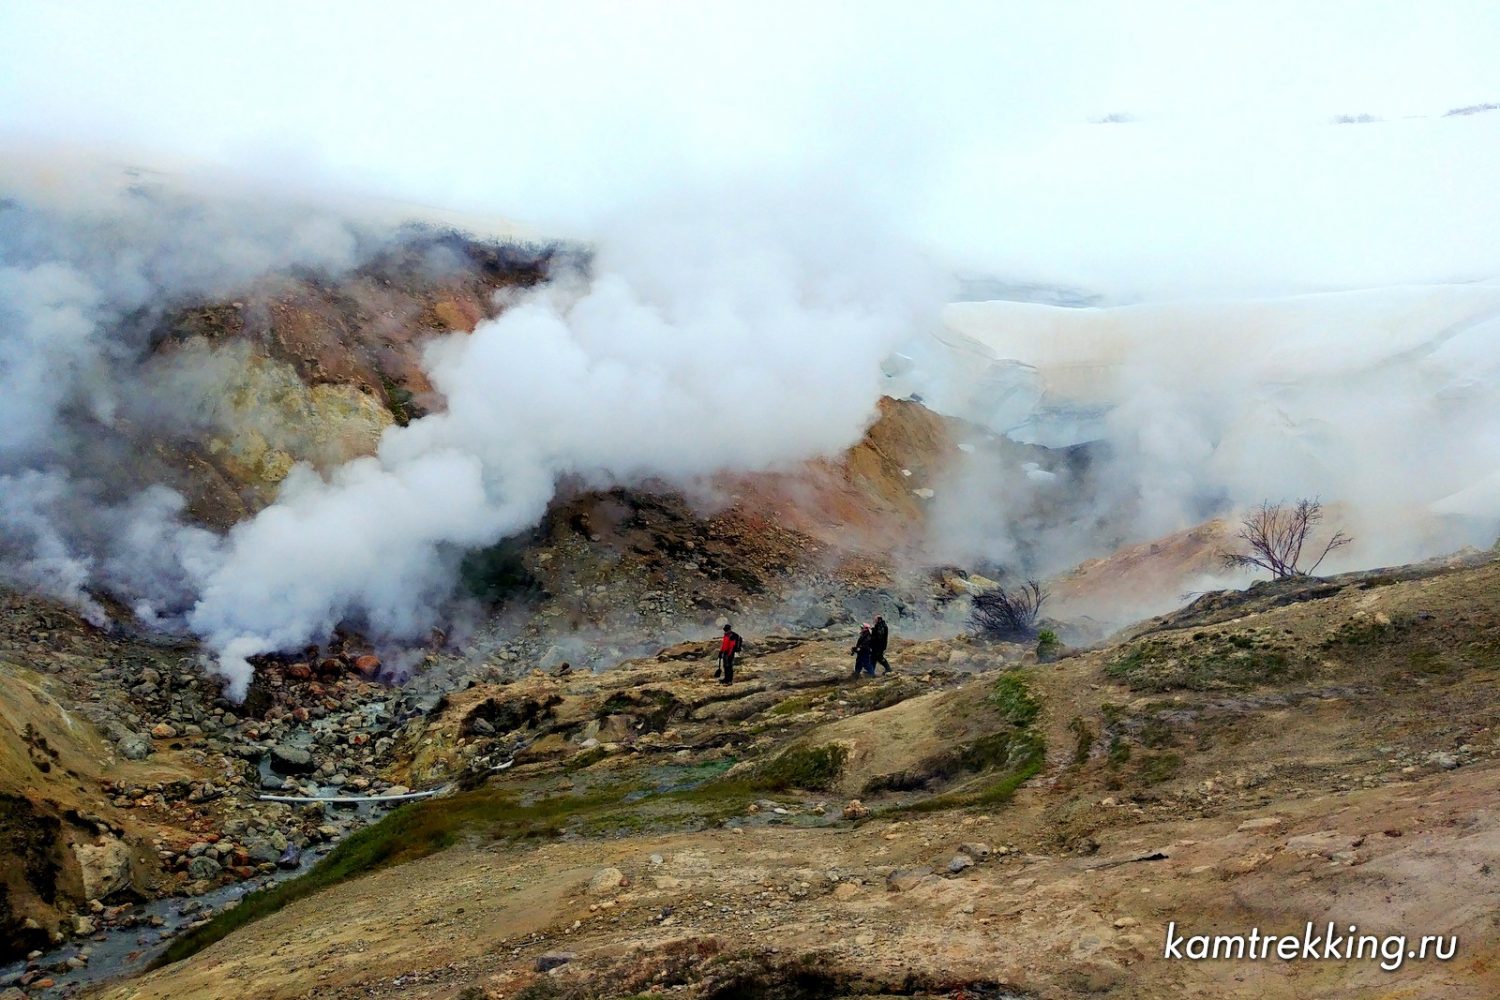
(595, 817)
(301, 368)
(975, 824)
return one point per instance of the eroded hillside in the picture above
(975, 824)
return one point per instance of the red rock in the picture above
(330, 666)
(299, 672)
(367, 665)
(299, 713)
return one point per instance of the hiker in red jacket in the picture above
(728, 646)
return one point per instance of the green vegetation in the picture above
(794, 705)
(1026, 753)
(812, 768)
(873, 697)
(1047, 645)
(421, 828)
(1003, 761)
(1156, 732)
(584, 759)
(1367, 631)
(1014, 701)
(397, 400)
(1223, 663)
(655, 798)
(1156, 768)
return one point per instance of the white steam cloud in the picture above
(86, 267)
(1384, 402)
(706, 338)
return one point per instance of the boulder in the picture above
(135, 746)
(203, 867)
(104, 867)
(959, 863)
(606, 880)
(904, 880)
(262, 850)
(291, 760)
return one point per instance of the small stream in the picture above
(122, 951)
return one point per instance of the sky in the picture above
(976, 128)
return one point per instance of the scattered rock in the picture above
(905, 879)
(203, 867)
(135, 746)
(553, 959)
(291, 760)
(975, 850)
(105, 867)
(1446, 761)
(367, 665)
(959, 863)
(1262, 824)
(855, 809)
(606, 880)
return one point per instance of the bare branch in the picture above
(1008, 615)
(1276, 536)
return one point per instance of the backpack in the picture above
(738, 642)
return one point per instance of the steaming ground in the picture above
(85, 270)
(692, 348)
(698, 340)
(1385, 402)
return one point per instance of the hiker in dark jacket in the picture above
(880, 637)
(728, 646)
(863, 659)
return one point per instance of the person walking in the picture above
(880, 637)
(728, 646)
(863, 660)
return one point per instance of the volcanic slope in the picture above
(1303, 752)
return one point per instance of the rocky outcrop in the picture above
(103, 866)
(297, 369)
